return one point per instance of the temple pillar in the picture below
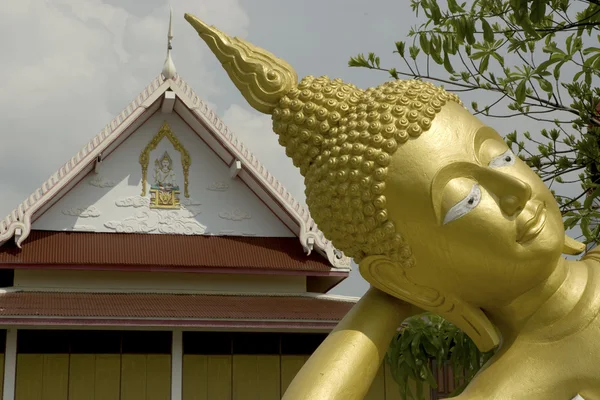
(10, 364)
(177, 365)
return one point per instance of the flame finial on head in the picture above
(262, 78)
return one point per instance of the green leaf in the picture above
(488, 33)
(460, 29)
(483, 66)
(521, 92)
(358, 61)
(568, 43)
(544, 65)
(400, 48)
(424, 43)
(545, 85)
(447, 64)
(590, 50)
(453, 6)
(414, 52)
(469, 25)
(478, 55)
(538, 10)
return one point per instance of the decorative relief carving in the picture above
(153, 221)
(89, 212)
(158, 221)
(139, 201)
(235, 215)
(165, 132)
(218, 186)
(101, 182)
(133, 201)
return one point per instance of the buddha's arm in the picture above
(346, 363)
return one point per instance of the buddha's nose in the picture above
(513, 196)
(511, 192)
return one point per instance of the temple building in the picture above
(163, 261)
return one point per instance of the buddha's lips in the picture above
(533, 226)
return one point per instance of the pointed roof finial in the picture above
(168, 70)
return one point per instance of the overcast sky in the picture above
(69, 66)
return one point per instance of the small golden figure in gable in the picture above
(164, 192)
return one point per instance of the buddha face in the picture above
(480, 222)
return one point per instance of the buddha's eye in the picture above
(464, 206)
(503, 160)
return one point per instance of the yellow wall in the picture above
(246, 377)
(171, 281)
(148, 377)
(93, 376)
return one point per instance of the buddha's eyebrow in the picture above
(484, 133)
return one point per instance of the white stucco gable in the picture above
(111, 198)
(229, 190)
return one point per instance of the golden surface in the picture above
(164, 199)
(165, 132)
(263, 77)
(439, 213)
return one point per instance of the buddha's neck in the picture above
(545, 304)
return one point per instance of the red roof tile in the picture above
(45, 248)
(172, 306)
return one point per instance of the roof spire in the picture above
(168, 70)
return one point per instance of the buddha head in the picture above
(429, 201)
(165, 164)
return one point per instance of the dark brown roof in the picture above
(176, 252)
(177, 306)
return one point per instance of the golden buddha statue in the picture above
(441, 216)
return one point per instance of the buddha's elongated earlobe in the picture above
(389, 277)
(572, 247)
